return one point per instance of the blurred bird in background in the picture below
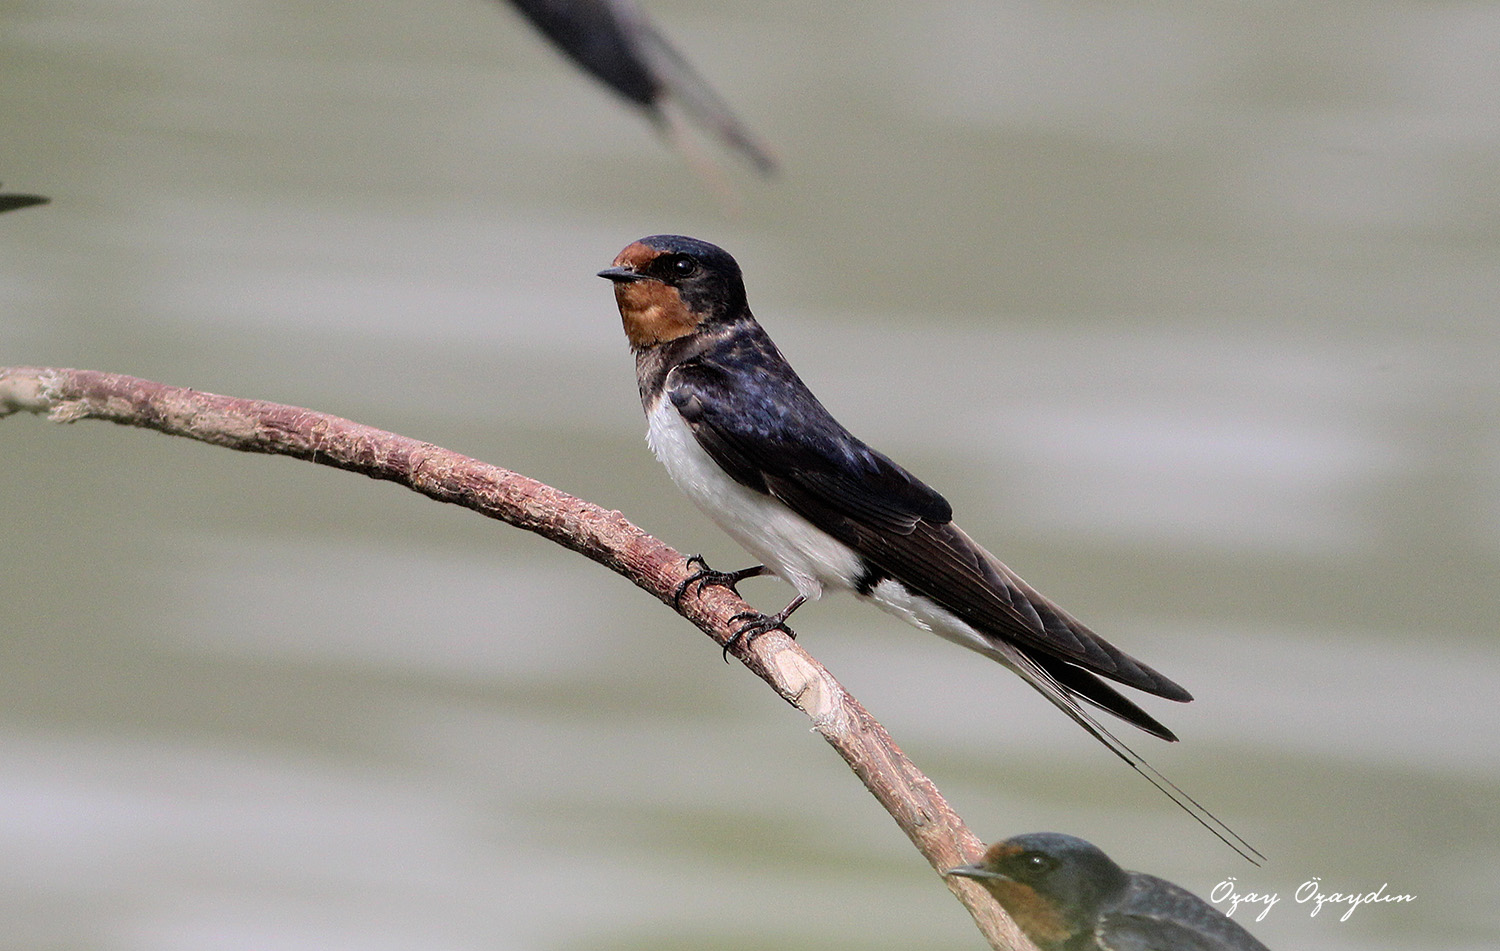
(15, 200)
(1067, 895)
(614, 41)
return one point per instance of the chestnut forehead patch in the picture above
(1001, 850)
(636, 255)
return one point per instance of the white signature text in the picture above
(1309, 893)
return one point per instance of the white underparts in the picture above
(805, 556)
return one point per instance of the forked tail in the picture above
(1065, 698)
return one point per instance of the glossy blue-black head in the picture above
(668, 286)
(1051, 884)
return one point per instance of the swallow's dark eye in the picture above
(683, 266)
(1035, 863)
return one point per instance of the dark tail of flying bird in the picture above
(614, 41)
(13, 201)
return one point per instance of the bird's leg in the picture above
(706, 577)
(757, 624)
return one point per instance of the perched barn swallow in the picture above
(745, 439)
(1067, 895)
(616, 42)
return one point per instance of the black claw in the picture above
(692, 579)
(706, 577)
(755, 625)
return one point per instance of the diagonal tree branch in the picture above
(605, 536)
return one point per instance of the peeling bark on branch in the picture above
(605, 536)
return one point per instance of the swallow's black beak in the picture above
(621, 275)
(973, 871)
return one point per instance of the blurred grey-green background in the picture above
(1190, 309)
